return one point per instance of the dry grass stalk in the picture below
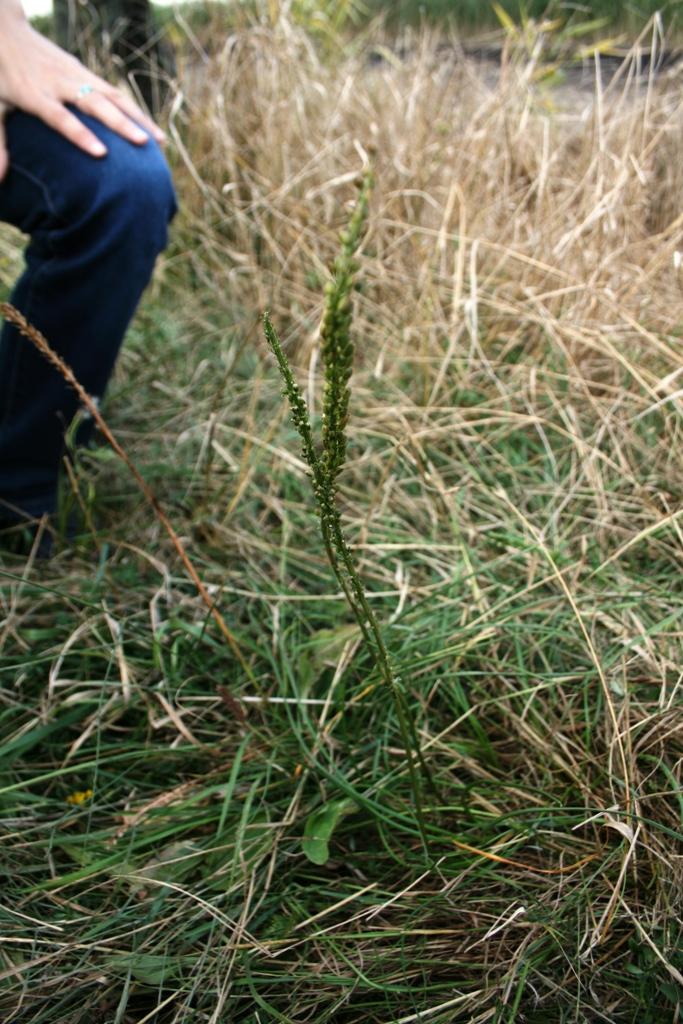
(27, 330)
(519, 343)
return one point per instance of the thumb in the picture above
(4, 155)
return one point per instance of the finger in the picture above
(97, 105)
(4, 156)
(68, 125)
(126, 104)
(130, 107)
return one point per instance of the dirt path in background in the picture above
(576, 74)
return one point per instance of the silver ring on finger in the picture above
(84, 90)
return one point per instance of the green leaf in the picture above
(320, 826)
(584, 28)
(505, 19)
(327, 644)
(150, 968)
(603, 47)
(171, 864)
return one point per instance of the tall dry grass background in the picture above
(513, 496)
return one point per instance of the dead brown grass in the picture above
(514, 497)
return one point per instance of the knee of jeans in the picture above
(128, 199)
(138, 192)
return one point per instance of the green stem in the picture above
(338, 358)
(383, 659)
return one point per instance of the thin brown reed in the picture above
(27, 330)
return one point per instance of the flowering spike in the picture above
(337, 346)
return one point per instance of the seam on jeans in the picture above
(23, 341)
(18, 360)
(47, 198)
(41, 185)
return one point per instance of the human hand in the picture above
(40, 78)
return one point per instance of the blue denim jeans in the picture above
(95, 229)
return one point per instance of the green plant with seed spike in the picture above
(325, 465)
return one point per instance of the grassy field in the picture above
(465, 15)
(513, 498)
(473, 13)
